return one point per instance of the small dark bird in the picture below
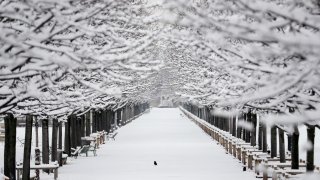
(155, 163)
(244, 168)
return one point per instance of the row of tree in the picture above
(76, 127)
(257, 56)
(61, 59)
(235, 126)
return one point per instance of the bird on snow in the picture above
(155, 163)
(244, 168)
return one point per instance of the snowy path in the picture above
(181, 149)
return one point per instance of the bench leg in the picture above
(18, 174)
(56, 174)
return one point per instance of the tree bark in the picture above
(289, 142)
(239, 131)
(115, 117)
(83, 126)
(248, 132)
(282, 150)
(295, 149)
(27, 148)
(94, 122)
(37, 150)
(234, 122)
(118, 117)
(73, 131)
(45, 142)
(264, 138)
(254, 129)
(59, 154)
(60, 136)
(88, 124)
(124, 115)
(104, 120)
(10, 147)
(273, 141)
(100, 124)
(54, 140)
(227, 124)
(310, 152)
(109, 120)
(67, 138)
(78, 131)
(260, 136)
(97, 116)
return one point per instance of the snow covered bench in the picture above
(86, 148)
(64, 158)
(288, 173)
(279, 169)
(112, 135)
(75, 152)
(51, 167)
(98, 138)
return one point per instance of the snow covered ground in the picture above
(180, 148)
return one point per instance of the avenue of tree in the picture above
(91, 65)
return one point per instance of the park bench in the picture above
(75, 152)
(64, 158)
(112, 135)
(97, 138)
(86, 148)
(101, 136)
(280, 169)
(50, 167)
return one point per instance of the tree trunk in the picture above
(248, 132)
(82, 126)
(54, 140)
(273, 141)
(289, 142)
(310, 152)
(60, 136)
(45, 142)
(124, 115)
(10, 147)
(104, 120)
(118, 117)
(234, 122)
(59, 154)
(227, 124)
(254, 129)
(264, 138)
(37, 150)
(295, 149)
(108, 120)
(239, 131)
(73, 131)
(94, 122)
(100, 128)
(88, 124)
(115, 118)
(260, 136)
(97, 116)
(78, 130)
(282, 151)
(67, 137)
(27, 148)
